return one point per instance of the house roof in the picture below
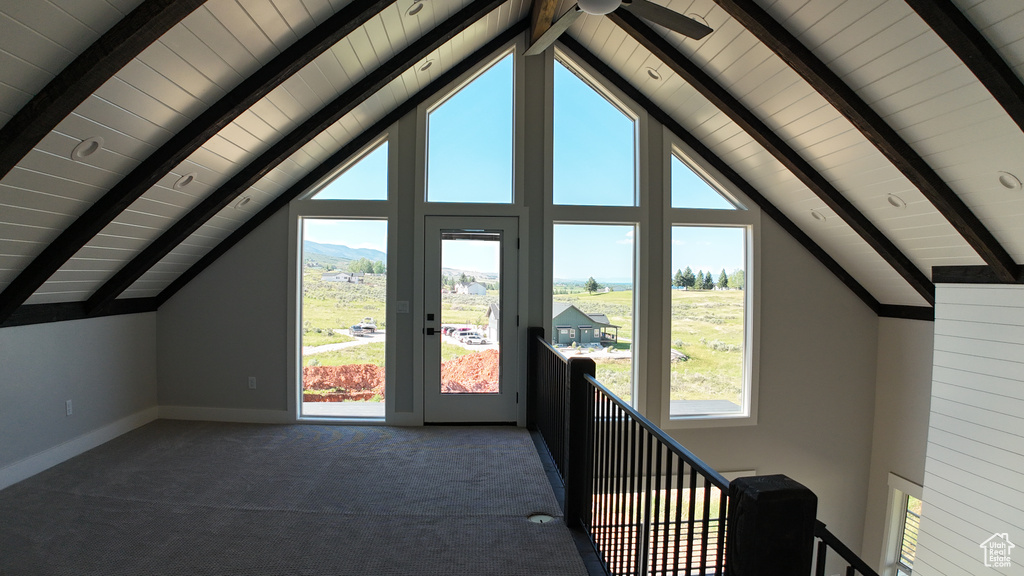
(558, 308)
(141, 139)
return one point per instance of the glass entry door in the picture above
(470, 345)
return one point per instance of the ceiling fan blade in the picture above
(668, 18)
(558, 27)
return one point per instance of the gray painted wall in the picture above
(816, 388)
(105, 366)
(902, 398)
(229, 323)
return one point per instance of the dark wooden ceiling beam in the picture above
(877, 131)
(542, 15)
(64, 311)
(549, 29)
(724, 168)
(346, 152)
(182, 145)
(774, 144)
(86, 73)
(287, 146)
(967, 42)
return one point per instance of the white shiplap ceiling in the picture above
(882, 49)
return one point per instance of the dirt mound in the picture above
(351, 382)
(476, 372)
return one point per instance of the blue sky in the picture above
(469, 156)
(470, 160)
(367, 179)
(354, 233)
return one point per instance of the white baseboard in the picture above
(226, 414)
(22, 469)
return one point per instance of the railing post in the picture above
(532, 375)
(771, 527)
(579, 481)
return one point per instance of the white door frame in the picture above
(451, 408)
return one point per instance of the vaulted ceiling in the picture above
(139, 140)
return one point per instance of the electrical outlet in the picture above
(252, 382)
(67, 407)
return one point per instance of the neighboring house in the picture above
(493, 325)
(473, 288)
(574, 325)
(342, 277)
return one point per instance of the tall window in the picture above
(708, 345)
(343, 291)
(469, 140)
(594, 146)
(592, 308)
(594, 249)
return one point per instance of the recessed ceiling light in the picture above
(185, 180)
(87, 148)
(415, 9)
(818, 216)
(654, 74)
(540, 518)
(895, 201)
(426, 65)
(243, 201)
(1009, 181)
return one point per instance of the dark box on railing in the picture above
(771, 527)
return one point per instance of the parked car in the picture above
(367, 326)
(473, 337)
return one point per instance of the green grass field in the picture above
(707, 326)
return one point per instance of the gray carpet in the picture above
(184, 498)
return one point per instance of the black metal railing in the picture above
(548, 397)
(655, 507)
(826, 540)
(648, 505)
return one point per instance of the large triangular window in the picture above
(690, 190)
(364, 179)
(469, 140)
(594, 146)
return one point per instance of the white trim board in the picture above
(32, 465)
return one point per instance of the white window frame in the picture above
(747, 215)
(636, 216)
(304, 207)
(892, 535)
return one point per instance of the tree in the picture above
(737, 279)
(699, 282)
(689, 280)
(378, 267)
(591, 286)
(709, 282)
(723, 280)
(678, 281)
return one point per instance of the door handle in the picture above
(431, 331)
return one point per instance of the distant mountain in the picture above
(343, 252)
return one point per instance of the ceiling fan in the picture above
(643, 8)
(648, 10)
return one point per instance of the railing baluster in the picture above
(680, 474)
(691, 517)
(655, 508)
(819, 567)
